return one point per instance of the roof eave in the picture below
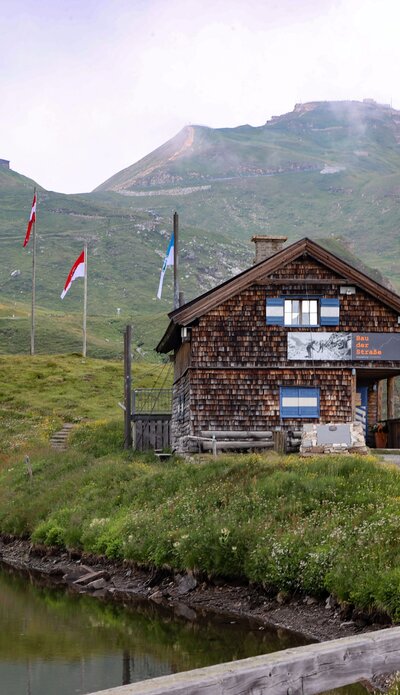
(170, 339)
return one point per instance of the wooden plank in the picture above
(306, 670)
(138, 437)
(151, 416)
(158, 435)
(379, 401)
(353, 396)
(391, 382)
(231, 444)
(307, 281)
(238, 434)
(166, 434)
(146, 436)
(280, 441)
(152, 434)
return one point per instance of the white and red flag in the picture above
(31, 222)
(77, 271)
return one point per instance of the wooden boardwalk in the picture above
(307, 670)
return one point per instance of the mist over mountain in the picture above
(326, 137)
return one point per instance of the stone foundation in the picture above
(347, 438)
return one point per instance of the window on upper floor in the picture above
(302, 311)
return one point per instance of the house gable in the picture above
(289, 265)
(236, 333)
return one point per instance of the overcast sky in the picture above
(88, 87)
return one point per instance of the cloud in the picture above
(90, 88)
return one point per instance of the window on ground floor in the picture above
(297, 401)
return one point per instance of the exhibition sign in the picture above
(328, 346)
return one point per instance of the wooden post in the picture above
(379, 399)
(33, 318)
(353, 386)
(176, 260)
(390, 397)
(279, 441)
(128, 386)
(29, 467)
(85, 301)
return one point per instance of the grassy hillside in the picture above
(126, 247)
(37, 395)
(326, 170)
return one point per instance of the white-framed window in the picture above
(301, 312)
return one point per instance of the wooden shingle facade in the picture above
(299, 337)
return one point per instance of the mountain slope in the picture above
(226, 185)
(314, 137)
(126, 247)
(326, 169)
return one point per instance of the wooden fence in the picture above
(151, 431)
(306, 670)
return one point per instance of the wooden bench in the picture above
(233, 440)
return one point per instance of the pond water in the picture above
(56, 643)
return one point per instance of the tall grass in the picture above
(38, 394)
(325, 525)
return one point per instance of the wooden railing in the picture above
(307, 670)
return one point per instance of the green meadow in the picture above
(315, 526)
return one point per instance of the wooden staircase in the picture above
(59, 439)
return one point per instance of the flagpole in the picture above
(176, 269)
(84, 303)
(33, 280)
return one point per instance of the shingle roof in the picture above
(186, 314)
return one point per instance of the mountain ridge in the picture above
(327, 171)
(278, 146)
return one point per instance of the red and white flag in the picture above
(77, 271)
(32, 220)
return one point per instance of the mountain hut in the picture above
(300, 337)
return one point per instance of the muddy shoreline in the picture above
(124, 582)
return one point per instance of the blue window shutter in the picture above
(289, 402)
(297, 402)
(308, 402)
(329, 312)
(275, 311)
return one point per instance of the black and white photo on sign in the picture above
(319, 346)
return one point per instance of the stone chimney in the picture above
(267, 246)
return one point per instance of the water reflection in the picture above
(54, 642)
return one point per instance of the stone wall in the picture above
(310, 446)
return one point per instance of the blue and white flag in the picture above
(168, 260)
